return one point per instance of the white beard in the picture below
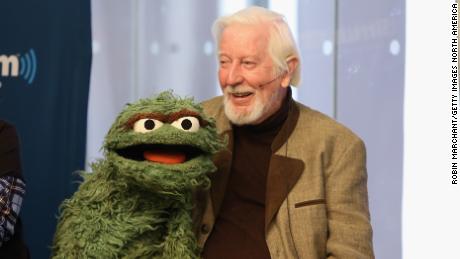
(251, 114)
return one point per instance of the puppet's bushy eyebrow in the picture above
(184, 113)
(166, 118)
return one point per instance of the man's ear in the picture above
(292, 63)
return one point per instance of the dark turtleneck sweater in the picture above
(239, 230)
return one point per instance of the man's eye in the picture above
(189, 124)
(223, 62)
(249, 63)
(146, 125)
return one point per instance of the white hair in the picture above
(281, 45)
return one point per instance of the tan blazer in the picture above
(316, 200)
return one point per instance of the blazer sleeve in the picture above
(349, 228)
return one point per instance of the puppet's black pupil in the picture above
(149, 124)
(186, 124)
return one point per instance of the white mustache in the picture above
(238, 89)
(231, 89)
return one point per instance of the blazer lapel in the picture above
(283, 171)
(219, 178)
(283, 174)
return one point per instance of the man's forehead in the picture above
(249, 55)
(248, 39)
(258, 30)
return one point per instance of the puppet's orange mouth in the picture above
(164, 154)
(165, 157)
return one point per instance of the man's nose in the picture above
(234, 76)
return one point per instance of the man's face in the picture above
(252, 90)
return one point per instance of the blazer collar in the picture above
(283, 171)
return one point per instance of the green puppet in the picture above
(138, 201)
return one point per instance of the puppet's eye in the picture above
(189, 123)
(146, 125)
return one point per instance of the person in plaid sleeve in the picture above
(12, 190)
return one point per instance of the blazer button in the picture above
(205, 229)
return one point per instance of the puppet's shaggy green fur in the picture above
(134, 208)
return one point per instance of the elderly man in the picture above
(292, 183)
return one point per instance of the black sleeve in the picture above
(10, 161)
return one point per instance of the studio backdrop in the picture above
(45, 58)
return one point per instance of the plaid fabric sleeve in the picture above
(12, 190)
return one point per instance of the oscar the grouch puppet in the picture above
(138, 201)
